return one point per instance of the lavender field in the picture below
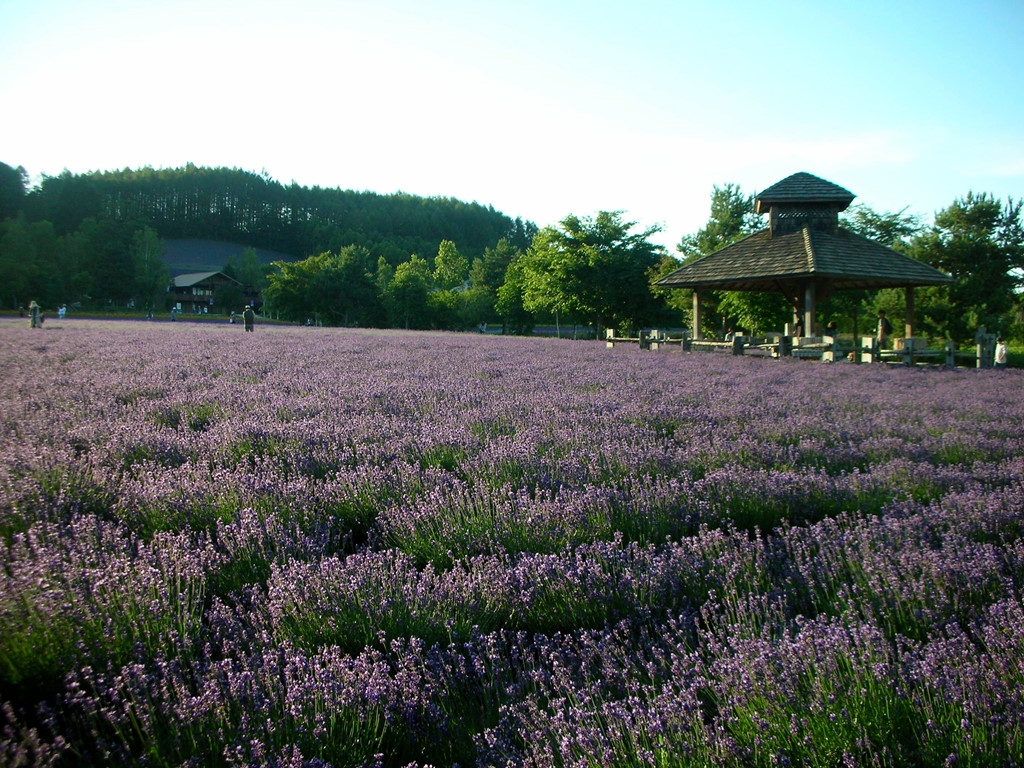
(311, 547)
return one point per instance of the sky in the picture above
(539, 108)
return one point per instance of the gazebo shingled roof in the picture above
(843, 259)
(804, 253)
(802, 188)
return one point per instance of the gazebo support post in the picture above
(909, 326)
(697, 333)
(809, 309)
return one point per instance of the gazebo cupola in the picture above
(803, 201)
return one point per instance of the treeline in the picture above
(228, 205)
(402, 261)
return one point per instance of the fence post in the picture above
(868, 349)
(986, 349)
(950, 355)
(737, 344)
(829, 355)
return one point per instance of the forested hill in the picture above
(232, 205)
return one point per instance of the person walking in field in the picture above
(1000, 357)
(35, 315)
(884, 329)
(248, 317)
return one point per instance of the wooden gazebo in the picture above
(803, 254)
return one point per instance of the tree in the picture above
(74, 267)
(13, 183)
(383, 277)
(238, 206)
(509, 298)
(754, 311)
(151, 275)
(250, 271)
(450, 267)
(49, 279)
(594, 271)
(336, 289)
(447, 298)
(486, 275)
(677, 302)
(31, 264)
(288, 287)
(407, 294)
(980, 243)
(893, 230)
(493, 265)
(345, 291)
(17, 262)
(476, 304)
(732, 218)
(104, 270)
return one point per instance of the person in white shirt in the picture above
(1000, 359)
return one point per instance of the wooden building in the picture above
(205, 293)
(803, 254)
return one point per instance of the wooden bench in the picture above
(649, 338)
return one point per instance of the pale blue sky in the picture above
(541, 108)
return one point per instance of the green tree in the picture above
(13, 186)
(593, 271)
(17, 263)
(754, 311)
(509, 299)
(450, 267)
(250, 271)
(73, 264)
(151, 274)
(107, 258)
(49, 281)
(678, 303)
(493, 265)
(383, 276)
(894, 230)
(30, 264)
(68, 201)
(732, 218)
(980, 243)
(486, 274)
(476, 305)
(407, 297)
(447, 300)
(344, 292)
(335, 289)
(288, 288)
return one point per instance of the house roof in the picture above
(803, 188)
(840, 258)
(194, 278)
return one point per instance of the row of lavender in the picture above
(313, 547)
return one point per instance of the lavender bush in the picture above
(311, 547)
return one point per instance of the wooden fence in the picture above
(909, 351)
